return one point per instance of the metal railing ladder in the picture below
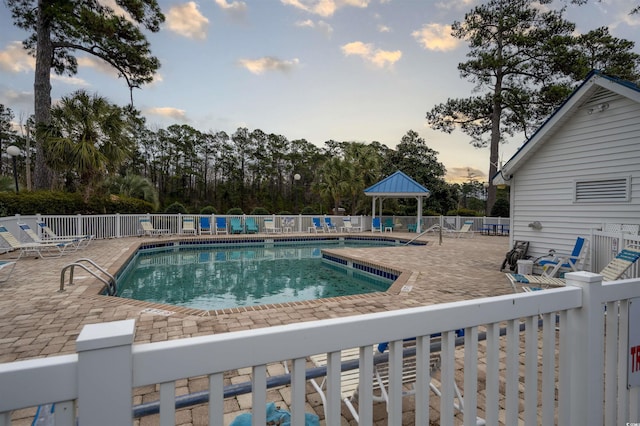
(98, 272)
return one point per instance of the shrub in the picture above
(175, 208)
(235, 211)
(308, 210)
(208, 210)
(55, 203)
(462, 212)
(500, 208)
(284, 213)
(259, 211)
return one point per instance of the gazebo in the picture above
(397, 185)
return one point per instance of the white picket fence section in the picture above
(578, 364)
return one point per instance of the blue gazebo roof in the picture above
(397, 185)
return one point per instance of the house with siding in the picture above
(581, 169)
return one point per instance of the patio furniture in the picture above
(614, 270)
(317, 225)
(148, 229)
(205, 225)
(554, 263)
(221, 226)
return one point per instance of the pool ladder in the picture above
(110, 283)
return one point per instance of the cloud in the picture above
(321, 26)
(17, 101)
(324, 8)
(268, 63)
(379, 58)
(15, 59)
(462, 174)
(174, 113)
(436, 37)
(383, 28)
(98, 65)
(237, 9)
(73, 81)
(186, 20)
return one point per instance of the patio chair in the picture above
(465, 230)
(614, 270)
(236, 226)
(376, 226)
(554, 263)
(188, 225)
(221, 226)
(330, 226)
(288, 223)
(65, 244)
(317, 225)
(349, 379)
(270, 227)
(148, 229)
(204, 225)
(250, 226)
(388, 225)
(35, 249)
(83, 239)
(348, 226)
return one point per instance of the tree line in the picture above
(95, 146)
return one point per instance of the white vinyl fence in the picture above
(570, 371)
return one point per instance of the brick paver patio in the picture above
(36, 320)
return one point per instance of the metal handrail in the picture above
(110, 284)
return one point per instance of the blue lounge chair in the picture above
(236, 226)
(204, 225)
(554, 262)
(250, 226)
(376, 226)
(317, 225)
(221, 225)
(330, 226)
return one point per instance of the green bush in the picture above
(175, 208)
(259, 211)
(500, 208)
(208, 210)
(56, 203)
(235, 211)
(284, 213)
(308, 210)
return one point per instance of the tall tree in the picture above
(522, 61)
(59, 28)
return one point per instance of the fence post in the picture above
(585, 338)
(105, 373)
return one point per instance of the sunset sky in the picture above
(346, 70)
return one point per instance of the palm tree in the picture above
(133, 186)
(335, 175)
(89, 138)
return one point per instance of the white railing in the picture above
(605, 245)
(554, 372)
(127, 225)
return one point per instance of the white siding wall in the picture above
(599, 145)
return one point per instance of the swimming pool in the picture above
(249, 273)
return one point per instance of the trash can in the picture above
(525, 267)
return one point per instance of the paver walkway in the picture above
(37, 321)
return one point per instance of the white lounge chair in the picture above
(270, 227)
(83, 239)
(66, 244)
(51, 249)
(9, 265)
(465, 230)
(188, 225)
(348, 226)
(148, 229)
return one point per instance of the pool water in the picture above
(212, 278)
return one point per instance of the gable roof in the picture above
(594, 82)
(397, 185)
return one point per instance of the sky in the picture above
(343, 70)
